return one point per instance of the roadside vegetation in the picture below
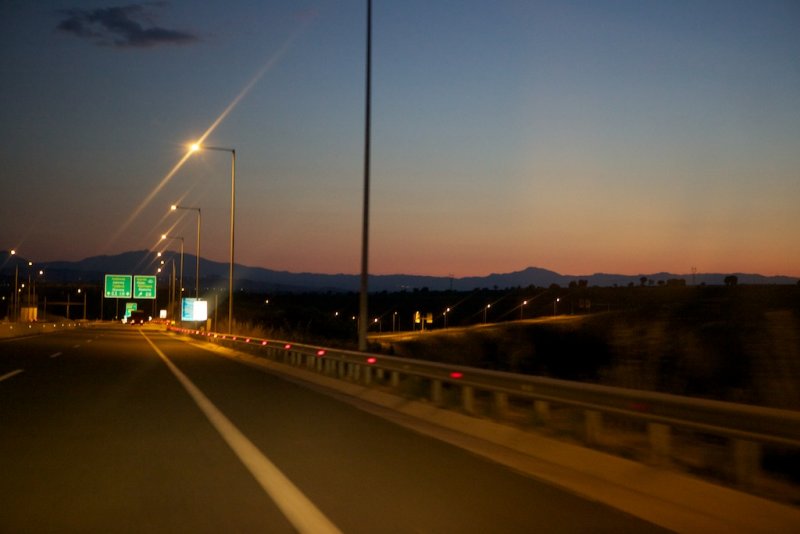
(736, 343)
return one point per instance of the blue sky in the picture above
(616, 136)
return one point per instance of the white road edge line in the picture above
(55, 355)
(300, 511)
(9, 375)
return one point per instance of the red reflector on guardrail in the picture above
(320, 352)
(372, 360)
(287, 346)
(263, 342)
(247, 340)
(456, 375)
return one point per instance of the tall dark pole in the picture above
(233, 216)
(363, 324)
(197, 262)
(16, 293)
(194, 148)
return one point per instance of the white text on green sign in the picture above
(118, 286)
(144, 287)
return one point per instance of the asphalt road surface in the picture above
(115, 429)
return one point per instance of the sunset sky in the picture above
(578, 136)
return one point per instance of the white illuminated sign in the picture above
(194, 310)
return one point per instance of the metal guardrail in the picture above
(746, 428)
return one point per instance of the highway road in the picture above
(115, 429)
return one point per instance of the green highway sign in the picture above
(144, 287)
(118, 286)
(129, 307)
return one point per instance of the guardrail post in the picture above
(394, 379)
(542, 410)
(367, 375)
(501, 403)
(468, 399)
(746, 461)
(436, 391)
(660, 438)
(594, 426)
(340, 369)
(379, 375)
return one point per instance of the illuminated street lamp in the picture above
(84, 303)
(485, 310)
(555, 305)
(30, 284)
(16, 289)
(522, 308)
(195, 148)
(180, 282)
(36, 297)
(197, 254)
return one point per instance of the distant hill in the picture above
(215, 274)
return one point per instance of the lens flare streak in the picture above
(239, 97)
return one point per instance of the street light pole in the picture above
(165, 236)
(363, 299)
(30, 265)
(16, 293)
(233, 217)
(197, 255)
(194, 148)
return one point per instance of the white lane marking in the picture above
(300, 511)
(9, 375)
(56, 355)
(75, 346)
